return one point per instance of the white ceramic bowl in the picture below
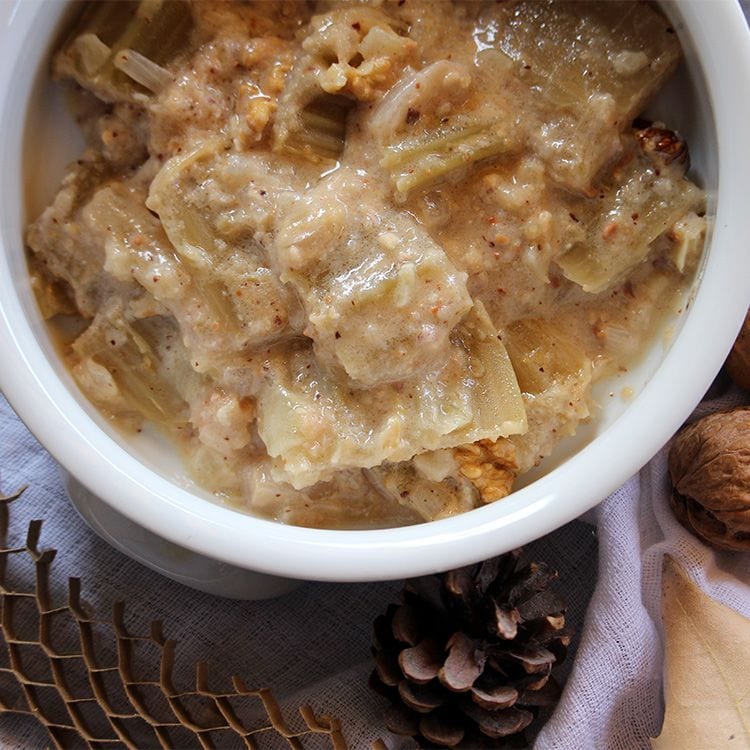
(137, 494)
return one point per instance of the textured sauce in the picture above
(364, 262)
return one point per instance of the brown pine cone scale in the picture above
(466, 659)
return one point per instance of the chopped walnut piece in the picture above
(662, 145)
(489, 465)
(258, 114)
(255, 110)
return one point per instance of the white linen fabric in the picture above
(312, 646)
(613, 697)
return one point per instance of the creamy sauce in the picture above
(364, 265)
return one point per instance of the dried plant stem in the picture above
(83, 678)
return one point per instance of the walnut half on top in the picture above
(709, 463)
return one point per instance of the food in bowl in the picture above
(364, 264)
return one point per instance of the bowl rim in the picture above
(45, 404)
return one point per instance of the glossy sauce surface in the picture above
(364, 264)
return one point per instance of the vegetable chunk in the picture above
(645, 198)
(313, 424)
(381, 296)
(588, 69)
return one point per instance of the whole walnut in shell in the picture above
(738, 361)
(709, 463)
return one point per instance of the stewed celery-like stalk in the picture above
(543, 354)
(426, 159)
(626, 49)
(320, 131)
(118, 49)
(634, 214)
(125, 350)
(188, 229)
(594, 68)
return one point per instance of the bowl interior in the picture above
(40, 138)
(53, 140)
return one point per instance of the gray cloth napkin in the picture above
(312, 646)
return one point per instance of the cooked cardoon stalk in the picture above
(196, 234)
(124, 350)
(422, 161)
(543, 354)
(595, 64)
(604, 260)
(105, 19)
(189, 230)
(321, 130)
(623, 48)
(142, 70)
(135, 369)
(118, 50)
(647, 198)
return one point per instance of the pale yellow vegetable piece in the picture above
(422, 161)
(118, 49)
(321, 129)
(381, 296)
(634, 214)
(136, 245)
(595, 65)
(554, 374)
(188, 229)
(496, 394)
(543, 355)
(244, 298)
(430, 499)
(120, 368)
(320, 506)
(620, 47)
(707, 669)
(313, 425)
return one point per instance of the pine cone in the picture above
(467, 657)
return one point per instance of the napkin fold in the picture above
(613, 698)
